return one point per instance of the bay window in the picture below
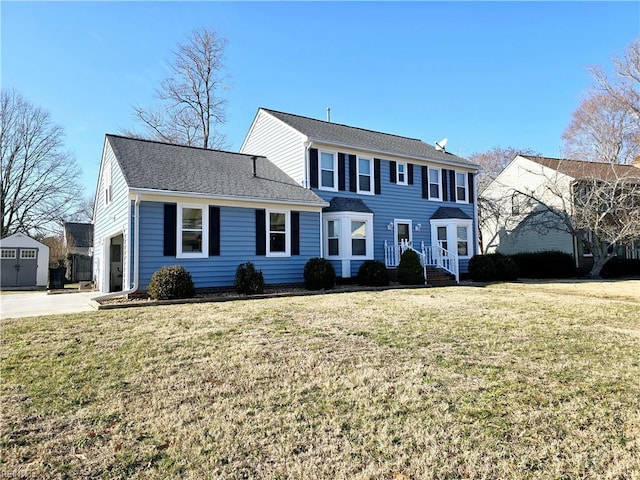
(348, 235)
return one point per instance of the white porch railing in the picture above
(430, 256)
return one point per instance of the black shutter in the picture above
(470, 192)
(353, 174)
(295, 233)
(410, 173)
(452, 185)
(170, 229)
(376, 176)
(425, 182)
(341, 172)
(214, 231)
(445, 185)
(392, 172)
(261, 232)
(313, 167)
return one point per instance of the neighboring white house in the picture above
(24, 262)
(513, 219)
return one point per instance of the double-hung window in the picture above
(192, 231)
(435, 185)
(364, 175)
(333, 238)
(328, 171)
(461, 187)
(278, 233)
(358, 238)
(401, 173)
(463, 240)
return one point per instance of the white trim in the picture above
(371, 176)
(205, 231)
(335, 171)
(155, 195)
(30, 250)
(12, 256)
(452, 225)
(343, 147)
(325, 239)
(287, 233)
(396, 221)
(429, 183)
(406, 173)
(466, 186)
(344, 239)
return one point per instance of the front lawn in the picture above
(535, 380)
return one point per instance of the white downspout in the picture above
(136, 251)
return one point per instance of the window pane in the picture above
(434, 176)
(365, 183)
(191, 241)
(332, 228)
(403, 232)
(462, 248)
(461, 194)
(442, 233)
(8, 253)
(277, 222)
(333, 246)
(327, 178)
(365, 166)
(401, 167)
(277, 242)
(192, 218)
(358, 230)
(358, 246)
(434, 191)
(462, 233)
(326, 161)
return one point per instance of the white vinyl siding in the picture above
(280, 143)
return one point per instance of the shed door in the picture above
(19, 267)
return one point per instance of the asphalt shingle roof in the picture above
(176, 168)
(449, 212)
(80, 234)
(370, 140)
(580, 169)
(344, 204)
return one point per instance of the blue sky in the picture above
(482, 74)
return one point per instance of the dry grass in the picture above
(507, 381)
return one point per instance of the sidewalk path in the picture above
(35, 304)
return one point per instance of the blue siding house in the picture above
(385, 192)
(159, 204)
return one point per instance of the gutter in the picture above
(136, 252)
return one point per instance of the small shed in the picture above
(24, 262)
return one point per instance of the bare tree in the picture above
(38, 179)
(493, 161)
(606, 125)
(191, 107)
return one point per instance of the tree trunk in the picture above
(599, 259)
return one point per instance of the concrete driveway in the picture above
(33, 304)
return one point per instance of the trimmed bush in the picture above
(547, 264)
(249, 281)
(506, 268)
(617, 267)
(373, 273)
(410, 272)
(172, 282)
(319, 274)
(482, 268)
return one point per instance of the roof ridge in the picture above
(147, 140)
(588, 162)
(344, 125)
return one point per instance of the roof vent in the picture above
(328, 114)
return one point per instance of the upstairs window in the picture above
(328, 171)
(435, 185)
(461, 187)
(401, 173)
(364, 175)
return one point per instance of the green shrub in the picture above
(319, 274)
(410, 272)
(482, 268)
(617, 267)
(506, 268)
(171, 282)
(373, 273)
(546, 264)
(249, 281)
